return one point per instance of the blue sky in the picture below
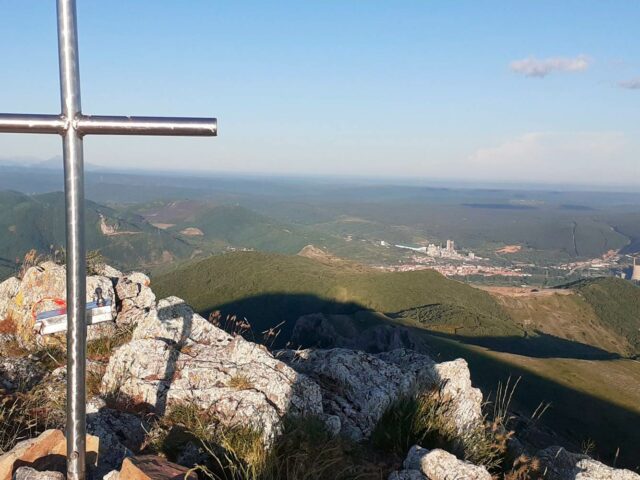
(542, 91)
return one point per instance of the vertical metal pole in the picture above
(76, 260)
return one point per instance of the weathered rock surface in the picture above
(105, 270)
(151, 467)
(39, 287)
(137, 300)
(454, 379)
(8, 290)
(358, 387)
(438, 465)
(177, 356)
(560, 464)
(121, 435)
(407, 475)
(30, 450)
(20, 373)
(45, 453)
(28, 473)
(319, 330)
(176, 323)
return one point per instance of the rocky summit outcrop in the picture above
(168, 356)
(177, 357)
(559, 464)
(423, 464)
(358, 387)
(42, 288)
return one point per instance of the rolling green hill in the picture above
(125, 240)
(240, 227)
(270, 288)
(617, 304)
(570, 355)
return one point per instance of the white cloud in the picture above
(585, 157)
(633, 84)
(540, 68)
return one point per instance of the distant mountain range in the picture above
(33, 163)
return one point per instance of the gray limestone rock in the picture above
(441, 465)
(358, 387)
(121, 434)
(178, 357)
(28, 473)
(559, 464)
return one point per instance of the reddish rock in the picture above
(29, 451)
(46, 452)
(152, 467)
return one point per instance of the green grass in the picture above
(240, 227)
(617, 304)
(271, 288)
(38, 221)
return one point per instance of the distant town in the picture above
(448, 261)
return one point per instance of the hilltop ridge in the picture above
(37, 222)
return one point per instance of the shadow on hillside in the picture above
(574, 415)
(268, 310)
(538, 345)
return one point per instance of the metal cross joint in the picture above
(72, 125)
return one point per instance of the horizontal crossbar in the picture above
(27, 123)
(109, 125)
(104, 125)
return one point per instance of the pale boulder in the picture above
(28, 473)
(38, 290)
(178, 357)
(358, 387)
(8, 290)
(441, 465)
(559, 464)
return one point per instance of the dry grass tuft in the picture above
(427, 419)
(101, 348)
(303, 451)
(31, 259)
(237, 326)
(27, 414)
(524, 468)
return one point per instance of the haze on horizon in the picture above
(494, 92)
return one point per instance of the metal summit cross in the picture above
(72, 125)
